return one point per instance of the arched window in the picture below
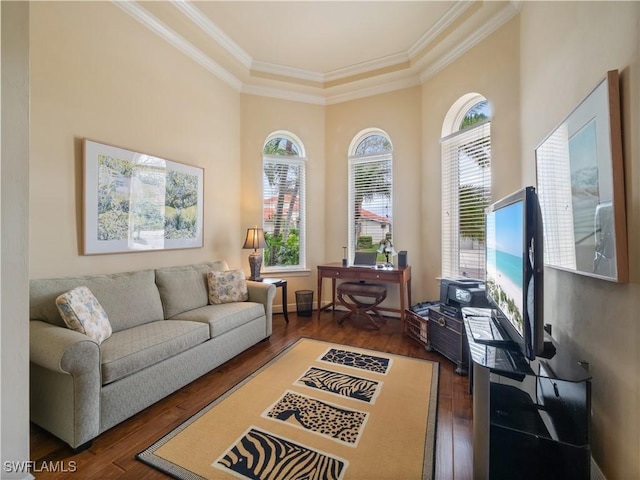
(370, 192)
(466, 186)
(283, 207)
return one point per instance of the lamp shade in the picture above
(255, 238)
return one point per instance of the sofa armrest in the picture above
(263, 293)
(65, 382)
(57, 348)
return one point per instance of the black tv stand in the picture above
(485, 330)
(512, 408)
(530, 417)
(549, 349)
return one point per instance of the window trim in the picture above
(295, 160)
(355, 159)
(451, 187)
(457, 112)
(289, 136)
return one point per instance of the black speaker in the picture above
(402, 258)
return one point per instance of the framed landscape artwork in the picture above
(135, 202)
(580, 179)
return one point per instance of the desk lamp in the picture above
(386, 247)
(255, 239)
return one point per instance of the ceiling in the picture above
(322, 52)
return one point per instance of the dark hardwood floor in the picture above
(112, 454)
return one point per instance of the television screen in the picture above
(514, 283)
(505, 266)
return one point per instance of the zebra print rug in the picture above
(317, 411)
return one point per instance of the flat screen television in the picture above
(514, 268)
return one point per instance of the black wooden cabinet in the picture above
(446, 335)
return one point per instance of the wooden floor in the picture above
(112, 454)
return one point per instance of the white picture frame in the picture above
(580, 180)
(134, 202)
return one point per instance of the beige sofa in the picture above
(165, 335)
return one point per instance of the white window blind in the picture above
(466, 192)
(284, 212)
(370, 201)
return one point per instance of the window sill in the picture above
(285, 273)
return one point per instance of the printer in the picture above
(456, 293)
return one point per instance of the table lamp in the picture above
(255, 239)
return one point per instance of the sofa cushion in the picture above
(227, 287)
(82, 312)
(134, 349)
(185, 288)
(224, 317)
(129, 298)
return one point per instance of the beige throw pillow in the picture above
(82, 312)
(227, 287)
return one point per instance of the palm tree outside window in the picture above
(283, 208)
(466, 186)
(370, 191)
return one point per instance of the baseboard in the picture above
(292, 308)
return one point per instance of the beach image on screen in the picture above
(505, 262)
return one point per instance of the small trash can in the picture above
(304, 303)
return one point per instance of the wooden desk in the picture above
(335, 271)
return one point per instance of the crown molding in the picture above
(495, 22)
(216, 33)
(284, 71)
(283, 94)
(451, 16)
(160, 29)
(356, 94)
(360, 68)
(365, 67)
(400, 84)
(213, 31)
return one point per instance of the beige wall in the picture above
(566, 49)
(397, 113)
(261, 117)
(97, 73)
(492, 70)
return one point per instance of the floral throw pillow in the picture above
(82, 312)
(228, 286)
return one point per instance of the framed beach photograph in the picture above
(580, 182)
(135, 202)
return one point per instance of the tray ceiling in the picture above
(322, 52)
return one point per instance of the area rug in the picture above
(317, 411)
